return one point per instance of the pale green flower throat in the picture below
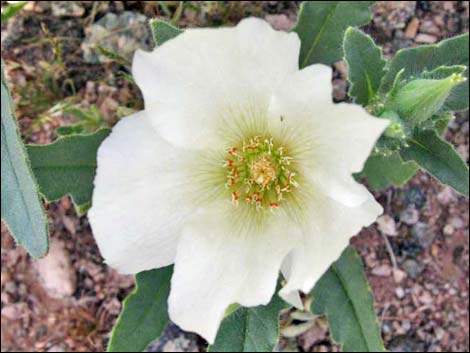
(259, 173)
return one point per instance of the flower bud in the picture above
(395, 129)
(419, 99)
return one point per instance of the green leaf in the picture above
(70, 130)
(321, 25)
(250, 329)
(440, 122)
(344, 296)
(144, 315)
(22, 208)
(67, 166)
(427, 58)
(163, 31)
(443, 72)
(365, 63)
(12, 9)
(439, 158)
(382, 171)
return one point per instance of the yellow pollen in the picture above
(262, 171)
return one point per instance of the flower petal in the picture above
(202, 80)
(216, 266)
(335, 139)
(325, 237)
(136, 215)
(293, 297)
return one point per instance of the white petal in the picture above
(216, 265)
(136, 215)
(202, 80)
(336, 139)
(293, 297)
(332, 225)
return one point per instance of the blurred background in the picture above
(68, 65)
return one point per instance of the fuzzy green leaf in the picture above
(444, 71)
(383, 171)
(67, 166)
(427, 58)
(144, 315)
(250, 329)
(163, 31)
(439, 158)
(22, 208)
(365, 63)
(321, 25)
(344, 296)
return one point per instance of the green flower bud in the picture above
(395, 129)
(419, 99)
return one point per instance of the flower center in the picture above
(262, 170)
(259, 173)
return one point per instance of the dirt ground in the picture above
(416, 256)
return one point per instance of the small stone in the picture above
(457, 222)
(414, 197)
(448, 229)
(122, 34)
(409, 216)
(462, 150)
(342, 68)
(382, 271)
(440, 333)
(5, 278)
(429, 27)
(426, 38)
(400, 292)
(398, 275)
(423, 234)
(412, 28)
(339, 90)
(425, 298)
(465, 127)
(387, 226)
(69, 224)
(56, 271)
(14, 311)
(67, 8)
(280, 22)
(446, 196)
(406, 325)
(412, 268)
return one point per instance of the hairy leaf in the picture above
(163, 31)
(22, 208)
(67, 166)
(250, 329)
(144, 315)
(365, 63)
(427, 58)
(344, 296)
(439, 158)
(321, 26)
(383, 171)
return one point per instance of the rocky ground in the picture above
(416, 256)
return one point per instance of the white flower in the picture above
(239, 166)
